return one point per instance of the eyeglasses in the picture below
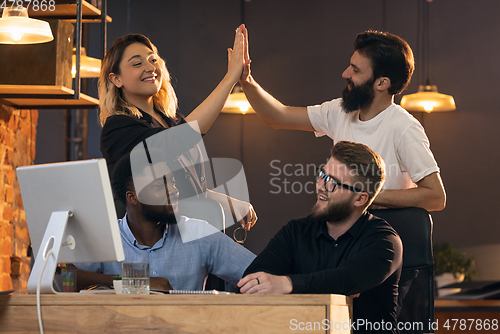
(331, 184)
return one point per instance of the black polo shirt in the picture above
(367, 259)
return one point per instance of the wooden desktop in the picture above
(467, 316)
(236, 313)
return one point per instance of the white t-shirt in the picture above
(394, 134)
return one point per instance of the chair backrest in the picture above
(212, 212)
(205, 209)
(416, 288)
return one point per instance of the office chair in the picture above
(416, 286)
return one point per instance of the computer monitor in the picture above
(69, 209)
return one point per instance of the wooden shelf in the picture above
(48, 96)
(44, 97)
(66, 10)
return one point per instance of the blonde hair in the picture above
(111, 101)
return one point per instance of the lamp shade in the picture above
(89, 67)
(237, 103)
(427, 99)
(17, 28)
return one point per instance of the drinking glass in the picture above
(135, 278)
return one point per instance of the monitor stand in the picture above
(52, 239)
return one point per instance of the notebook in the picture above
(194, 292)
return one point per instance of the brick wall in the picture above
(17, 148)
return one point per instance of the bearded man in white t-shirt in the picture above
(381, 67)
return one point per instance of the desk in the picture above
(77, 313)
(462, 312)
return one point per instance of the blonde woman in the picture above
(137, 100)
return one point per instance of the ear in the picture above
(131, 198)
(116, 80)
(382, 83)
(361, 199)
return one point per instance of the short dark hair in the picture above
(390, 55)
(121, 178)
(366, 166)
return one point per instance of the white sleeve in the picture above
(323, 117)
(415, 153)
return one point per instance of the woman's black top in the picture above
(121, 133)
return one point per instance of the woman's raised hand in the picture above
(236, 56)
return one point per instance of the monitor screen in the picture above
(76, 198)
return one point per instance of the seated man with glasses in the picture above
(340, 248)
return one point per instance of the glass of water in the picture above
(135, 277)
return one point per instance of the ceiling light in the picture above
(17, 28)
(89, 67)
(237, 102)
(428, 100)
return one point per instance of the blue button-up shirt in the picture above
(185, 255)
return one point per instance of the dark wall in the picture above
(299, 49)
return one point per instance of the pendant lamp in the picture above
(89, 67)
(237, 102)
(427, 99)
(17, 28)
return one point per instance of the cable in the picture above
(38, 308)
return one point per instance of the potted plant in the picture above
(451, 266)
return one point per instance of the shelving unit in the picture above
(35, 97)
(66, 10)
(59, 97)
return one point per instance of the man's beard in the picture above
(334, 212)
(160, 214)
(358, 97)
